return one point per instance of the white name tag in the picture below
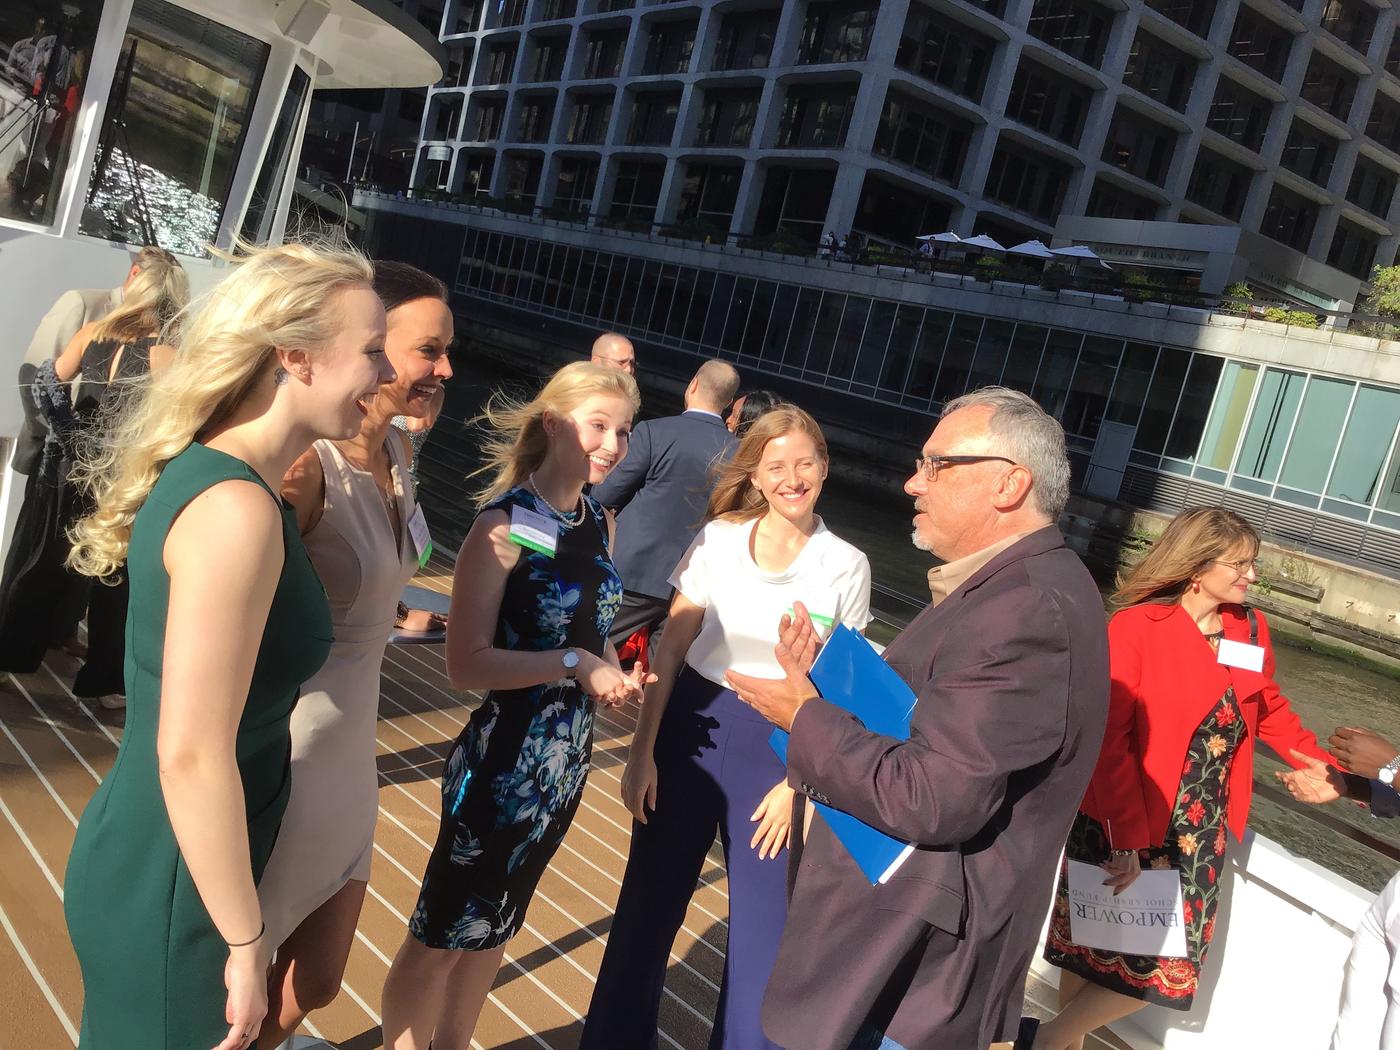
(534, 531)
(1240, 654)
(418, 532)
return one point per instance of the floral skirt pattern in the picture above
(510, 788)
(1194, 845)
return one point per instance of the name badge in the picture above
(1240, 654)
(534, 531)
(418, 532)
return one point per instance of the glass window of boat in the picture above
(262, 210)
(44, 53)
(173, 130)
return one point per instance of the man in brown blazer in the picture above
(1010, 665)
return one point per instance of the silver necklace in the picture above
(578, 516)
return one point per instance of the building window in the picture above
(549, 58)
(1192, 15)
(1353, 249)
(553, 10)
(155, 182)
(728, 117)
(1139, 146)
(709, 193)
(1160, 71)
(1383, 123)
(1079, 28)
(490, 113)
(1328, 86)
(536, 116)
(1027, 181)
(523, 178)
(465, 16)
(816, 116)
(1219, 184)
(476, 169)
(591, 116)
(1239, 114)
(1356, 474)
(1372, 186)
(602, 56)
(668, 48)
(1048, 101)
(838, 31)
(1350, 21)
(574, 188)
(1289, 218)
(795, 201)
(509, 12)
(947, 53)
(746, 39)
(922, 137)
(897, 213)
(499, 67)
(1260, 44)
(1309, 153)
(1109, 201)
(1392, 56)
(636, 190)
(653, 120)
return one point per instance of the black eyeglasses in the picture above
(929, 466)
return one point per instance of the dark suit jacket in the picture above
(1011, 671)
(661, 488)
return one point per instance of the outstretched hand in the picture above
(778, 699)
(1316, 782)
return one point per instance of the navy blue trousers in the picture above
(714, 766)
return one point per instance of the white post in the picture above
(354, 140)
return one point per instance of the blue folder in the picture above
(851, 675)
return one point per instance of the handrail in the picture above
(1179, 304)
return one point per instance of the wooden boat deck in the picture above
(54, 749)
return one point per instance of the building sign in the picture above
(1147, 255)
(439, 152)
(1296, 291)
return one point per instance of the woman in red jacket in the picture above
(1176, 769)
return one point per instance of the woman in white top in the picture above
(700, 760)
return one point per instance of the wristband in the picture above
(1122, 852)
(262, 929)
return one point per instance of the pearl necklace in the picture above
(566, 519)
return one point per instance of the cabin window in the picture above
(44, 53)
(173, 130)
(262, 209)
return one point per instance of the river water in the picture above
(1326, 691)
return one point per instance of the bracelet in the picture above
(262, 929)
(1122, 853)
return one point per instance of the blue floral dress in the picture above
(515, 775)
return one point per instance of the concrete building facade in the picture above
(1120, 123)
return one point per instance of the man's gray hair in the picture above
(1028, 434)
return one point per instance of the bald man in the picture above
(660, 490)
(615, 351)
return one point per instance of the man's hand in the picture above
(778, 699)
(1316, 782)
(1361, 750)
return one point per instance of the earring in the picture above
(279, 376)
(1196, 587)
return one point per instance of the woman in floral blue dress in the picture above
(534, 595)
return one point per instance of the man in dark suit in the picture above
(1010, 665)
(660, 490)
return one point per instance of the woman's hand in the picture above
(245, 977)
(1315, 783)
(641, 679)
(605, 682)
(639, 782)
(774, 817)
(1123, 870)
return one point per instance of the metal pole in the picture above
(350, 164)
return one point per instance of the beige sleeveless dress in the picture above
(327, 834)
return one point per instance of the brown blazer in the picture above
(1011, 670)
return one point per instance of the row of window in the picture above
(1312, 440)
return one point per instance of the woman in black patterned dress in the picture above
(534, 594)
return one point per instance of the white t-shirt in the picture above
(743, 604)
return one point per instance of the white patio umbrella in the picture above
(941, 238)
(1034, 249)
(1079, 254)
(987, 244)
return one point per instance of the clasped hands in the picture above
(779, 699)
(1359, 750)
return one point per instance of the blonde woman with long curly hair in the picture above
(533, 597)
(700, 762)
(111, 354)
(226, 620)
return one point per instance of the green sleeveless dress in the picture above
(152, 961)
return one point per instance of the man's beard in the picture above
(918, 541)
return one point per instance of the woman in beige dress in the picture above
(359, 521)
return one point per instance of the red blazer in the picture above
(1165, 680)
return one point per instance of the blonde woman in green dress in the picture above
(227, 619)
